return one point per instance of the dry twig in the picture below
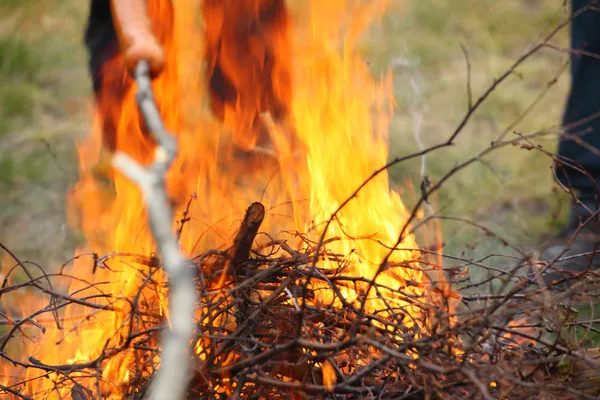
(171, 381)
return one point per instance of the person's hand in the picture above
(136, 39)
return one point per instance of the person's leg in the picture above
(103, 50)
(100, 40)
(249, 68)
(581, 118)
(580, 146)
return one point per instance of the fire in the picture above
(286, 112)
(247, 50)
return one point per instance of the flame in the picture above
(286, 112)
(329, 375)
(247, 50)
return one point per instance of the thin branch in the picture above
(469, 90)
(173, 377)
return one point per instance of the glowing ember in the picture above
(293, 90)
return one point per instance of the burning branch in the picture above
(242, 244)
(172, 378)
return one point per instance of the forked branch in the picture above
(172, 378)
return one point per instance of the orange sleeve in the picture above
(136, 39)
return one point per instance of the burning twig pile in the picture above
(261, 332)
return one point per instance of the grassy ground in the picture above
(45, 97)
(512, 190)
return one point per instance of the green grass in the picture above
(43, 97)
(19, 59)
(512, 190)
(16, 105)
(19, 70)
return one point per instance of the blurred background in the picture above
(46, 105)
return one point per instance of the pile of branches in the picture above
(260, 331)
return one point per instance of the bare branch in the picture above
(173, 376)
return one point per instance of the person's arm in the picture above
(136, 39)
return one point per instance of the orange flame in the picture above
(329, 375)
(289, 78)
(248, 55)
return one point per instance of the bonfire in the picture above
(288, 266)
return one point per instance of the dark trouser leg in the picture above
(102, 45)
(582, 104)
(100, 40)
